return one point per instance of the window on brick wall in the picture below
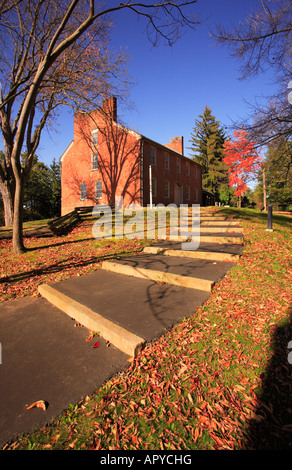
(188, 193)
(196, 194)
(196, 172)
(94, 161)
(187, 168)
(82, 191)
(98, 189)
(153, 156)
(94, 137)
(178, 163)
(166, 189)
(166, 161)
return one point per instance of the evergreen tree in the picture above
(207, 140)
(278, 168)
(37, 192)
(55, 182)
(42, 193)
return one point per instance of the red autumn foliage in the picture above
(242, 159)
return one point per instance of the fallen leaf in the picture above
(72, 445)
(190, 398)
(38, 404)
(96, 345)
(90, 337)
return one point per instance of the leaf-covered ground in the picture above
(218, 380)
(53, 259)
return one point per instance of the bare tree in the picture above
(118, 156)
(264, 43)
(55, 53)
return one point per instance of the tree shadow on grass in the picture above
(61, 243)
(60, 266)
(256, 215)
(271, 428)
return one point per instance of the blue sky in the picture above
(174, 84)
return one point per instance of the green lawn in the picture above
(218, 380)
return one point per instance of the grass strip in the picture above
(218, 380)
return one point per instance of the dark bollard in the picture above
(270, 217)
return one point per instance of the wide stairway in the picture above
(135, 299)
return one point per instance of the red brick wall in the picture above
(175, 179)
(118, 163)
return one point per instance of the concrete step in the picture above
(234, 238)
(208, 237)
(209, 255)
(186, 272)
(212, 248)
(118, 336)
(125, 311)
(218, 229)
(211, 217)
(225, 223)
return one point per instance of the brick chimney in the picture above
(109, 106)
(176, 144)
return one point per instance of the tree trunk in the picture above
(265, 189)
(17, 239)
(7, 197)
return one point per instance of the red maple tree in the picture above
(242, 160)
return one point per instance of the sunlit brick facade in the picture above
(106, 160)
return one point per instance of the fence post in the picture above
(270, 218)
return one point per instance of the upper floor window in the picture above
(94, 137)
(196, 172)
(166, 161)
(152, 156)
(178, 165)
(94, 161)
(187, 168)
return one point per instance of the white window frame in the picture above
(98, 189)
(94, 137)
(94, 161)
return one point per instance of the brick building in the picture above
(105, 160)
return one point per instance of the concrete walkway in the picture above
(129, 301)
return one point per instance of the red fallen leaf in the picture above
(216, 439)
(135, 439)
(96, 345)
(38, 404)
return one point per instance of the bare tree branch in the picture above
(264, 43)
(55, 53)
